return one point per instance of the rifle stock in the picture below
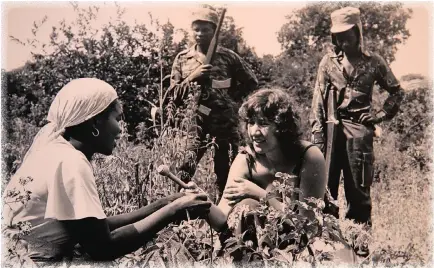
(332, 124)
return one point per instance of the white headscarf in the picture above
(78, 101)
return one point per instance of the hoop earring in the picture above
(97, 132)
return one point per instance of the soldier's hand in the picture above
(202, 71)
(368, 119)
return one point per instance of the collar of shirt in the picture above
(365, 54)
(337, 58)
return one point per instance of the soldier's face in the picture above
(348, 41)
(262, 134)
(203, 32)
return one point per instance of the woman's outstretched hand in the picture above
(169, 199)
(242, 188)
(193, 189)
(197, 205)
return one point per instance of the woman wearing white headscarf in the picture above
(64, 208)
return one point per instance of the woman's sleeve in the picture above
(72, 193)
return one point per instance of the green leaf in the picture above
(285, 255)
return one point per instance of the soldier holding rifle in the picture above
(342, 105)
(219, 72)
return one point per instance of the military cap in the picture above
(205, 14)
(344, 19)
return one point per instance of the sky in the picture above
(260, 22)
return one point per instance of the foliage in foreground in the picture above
(128, 180)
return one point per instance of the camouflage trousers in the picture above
(354, 157)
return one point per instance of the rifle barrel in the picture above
(213, 45)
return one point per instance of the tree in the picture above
(384, 26)
(125, 56)
(134, 59)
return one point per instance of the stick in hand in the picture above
(164, 170)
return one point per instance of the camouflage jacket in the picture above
(354, 91)
(221, 101)
(226, 64)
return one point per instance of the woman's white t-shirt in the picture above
(60, 183)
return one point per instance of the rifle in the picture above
(209, 57)
(332, 124)
(213, 45)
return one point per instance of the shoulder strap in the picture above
(249, 166)
(297, 168)
(249, 161)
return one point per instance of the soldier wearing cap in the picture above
(352, 72)
(224, 84)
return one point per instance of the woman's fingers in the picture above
(192, 191)
(192, 185)
(201, 196)
(230, 191)
(174, 196)
(233, 202)
(192, 188)
(201, 204)
(232, 196)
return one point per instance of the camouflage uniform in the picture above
(222, 121)
(354, 141)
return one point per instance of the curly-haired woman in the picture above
(273, 145)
